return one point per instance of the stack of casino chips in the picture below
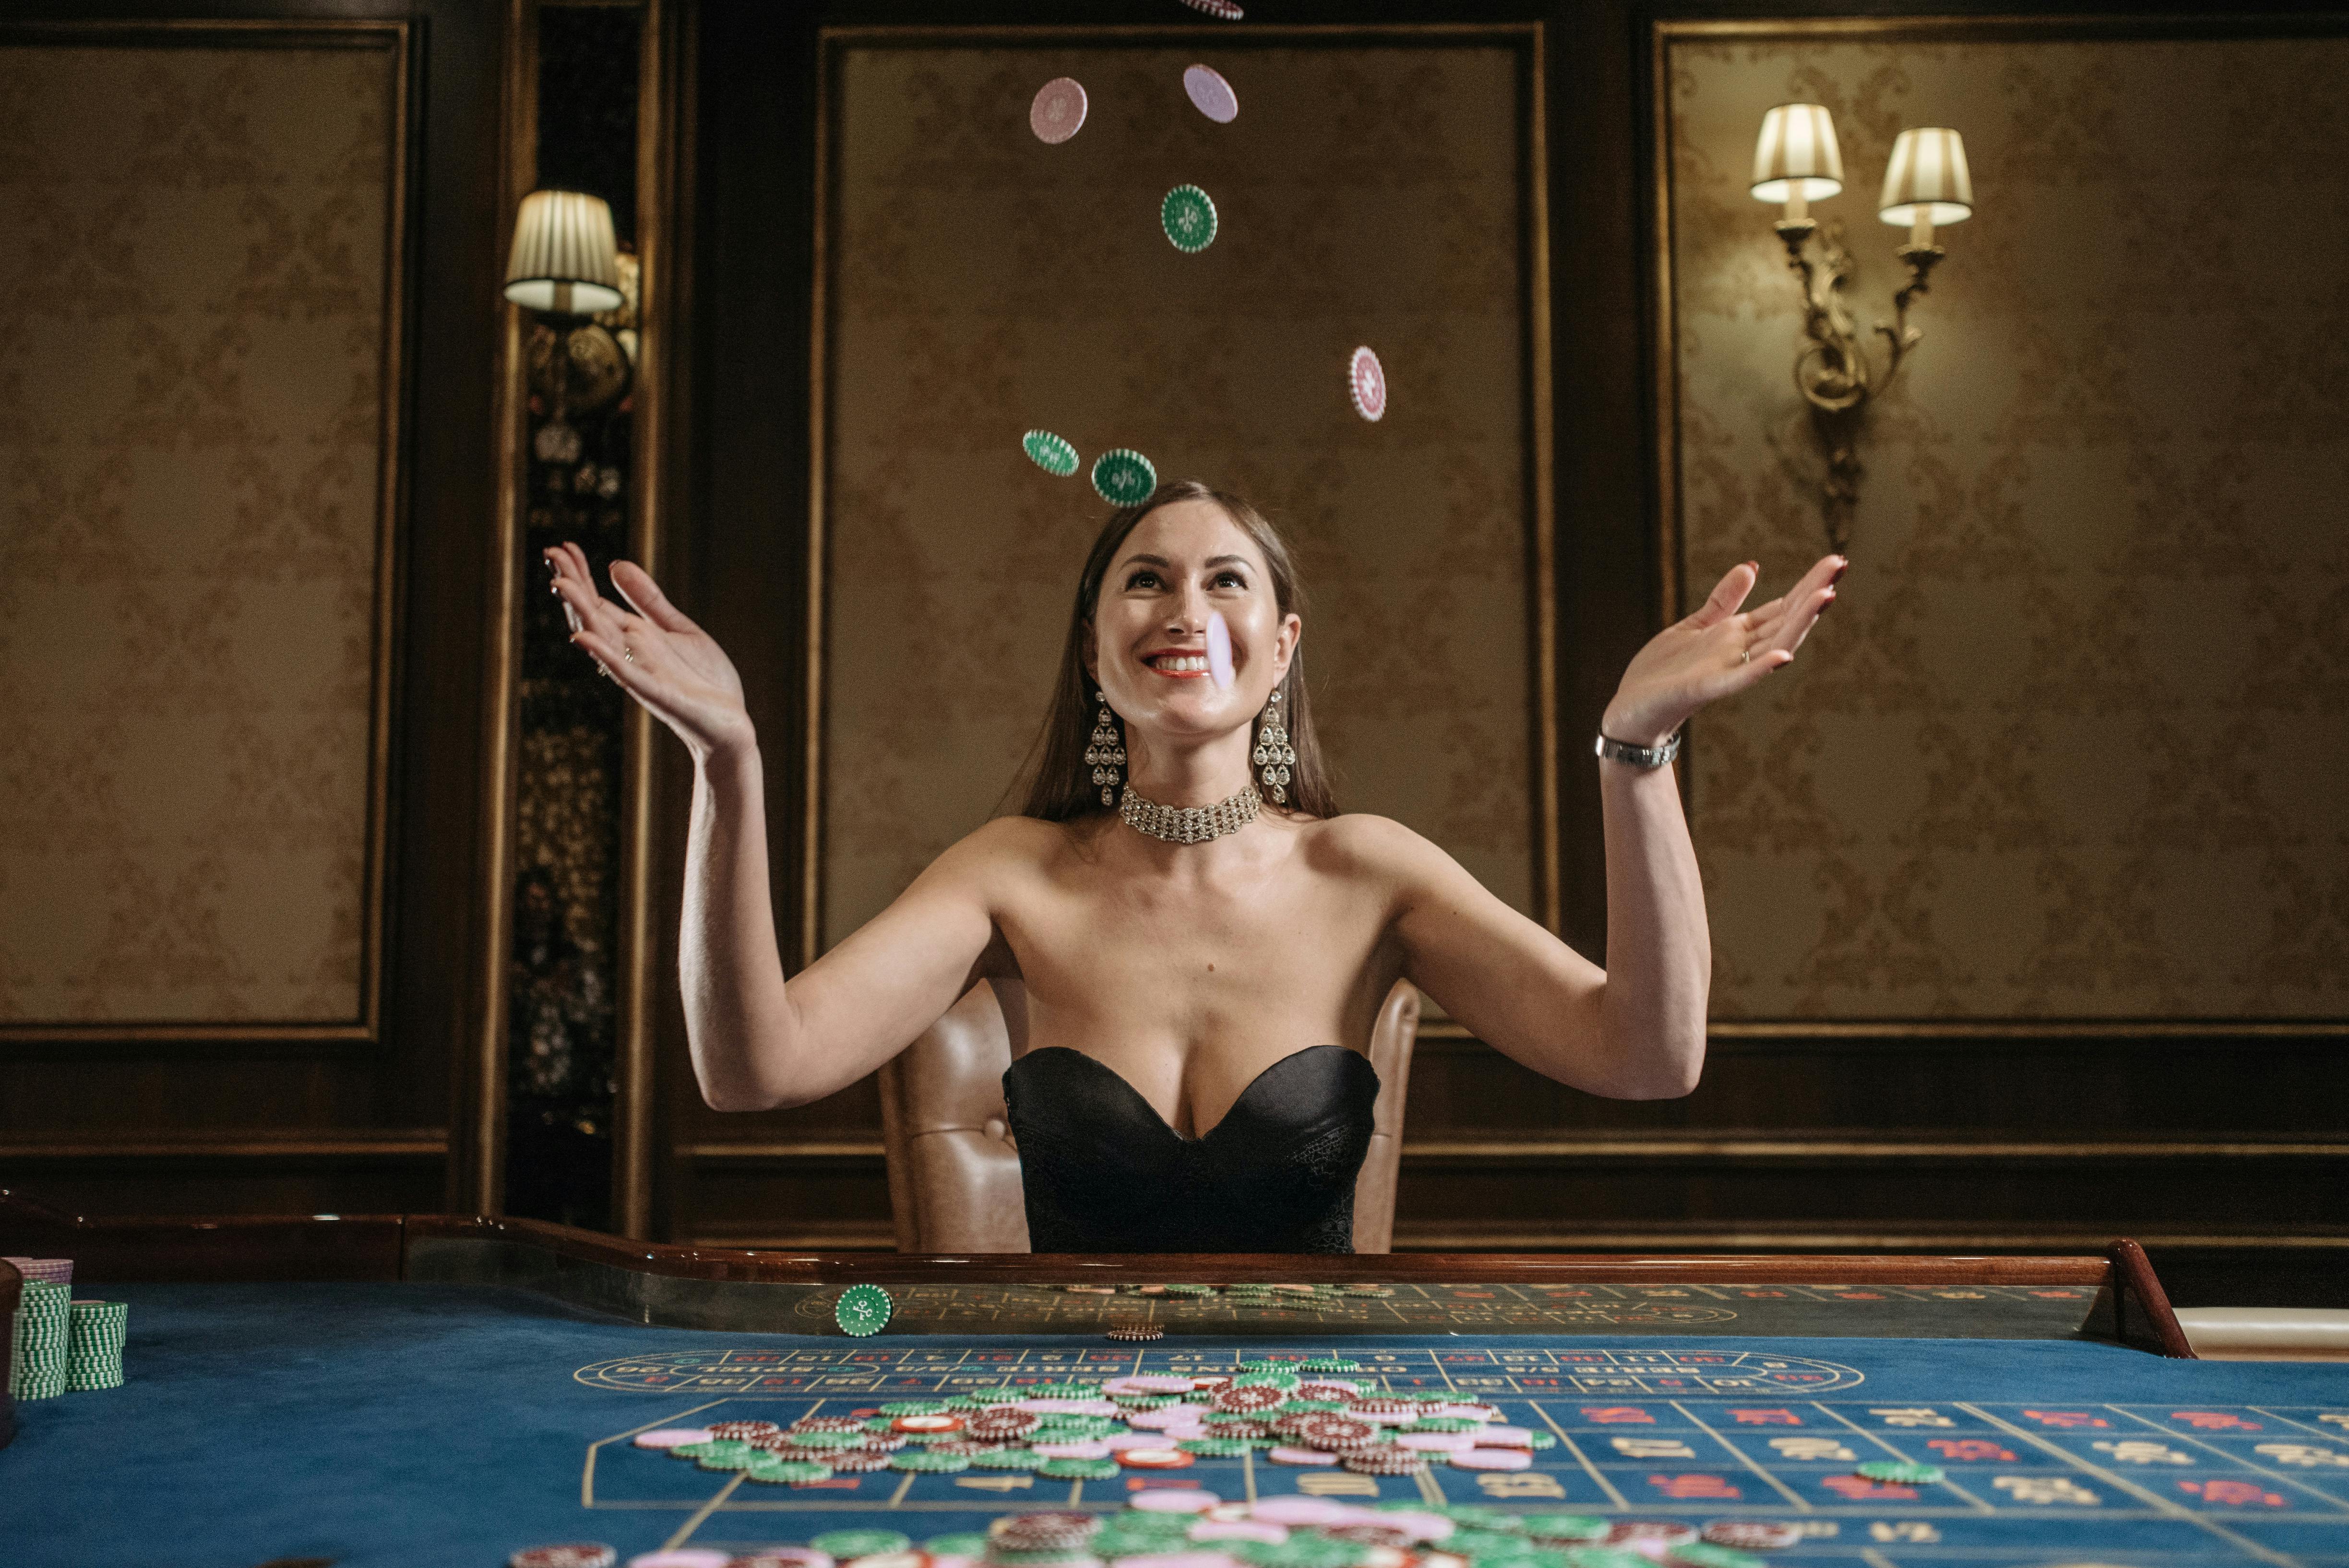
(94, 1345)
(41, 1338)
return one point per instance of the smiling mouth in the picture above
(1178, 664)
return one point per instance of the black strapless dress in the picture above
(1104, 1173)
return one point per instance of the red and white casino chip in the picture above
(1366, 383)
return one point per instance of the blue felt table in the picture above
(445, 1426)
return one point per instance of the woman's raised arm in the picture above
(759, 1041)
(1637, 1030)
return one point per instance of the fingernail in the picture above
(1839, 570)
(1827, 604)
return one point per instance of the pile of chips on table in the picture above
(1304, 1415)
(59, 1344)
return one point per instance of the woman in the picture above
(1187, 979)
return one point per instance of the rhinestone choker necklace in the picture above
(1189, 824)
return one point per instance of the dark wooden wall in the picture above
(174, 1127)
(2227, 1153)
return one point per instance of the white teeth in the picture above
(1181, 663)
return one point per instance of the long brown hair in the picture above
(1062, 789)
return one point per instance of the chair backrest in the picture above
(954, 1175)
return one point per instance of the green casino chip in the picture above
(788, 1472)
(842, 1544)
(1122, 478)
(1301, 1552)
(1051, 454)
(915, 1407)
(1525, 1557)
(1570, 1529)
(1442, 1424)
(1190, 1290)
(970, 1543)
(1540, 1440)
(863, 1310)
(1319, 1406)
(1499, 1521)
(1215, 1447)
(1008, 1460)
(923, 1459)
(1703, 1554)
(1332, 1364)
(1078, 1469)
(1902, 1471)
(1189, 218)
(1608, 1557)
(746, 1459)
(1482, 1545)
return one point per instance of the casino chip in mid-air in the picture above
(1211, 95)
(1366, 383)
(1123, 478)
(863, 1309)
(1189, 218)
(1222, 10)
(1058, 112)
(1053, 454)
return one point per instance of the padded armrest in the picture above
(2282, 1333)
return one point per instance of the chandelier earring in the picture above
(1105, 752)
(1274, 757)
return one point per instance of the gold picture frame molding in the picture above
(1529, 40)
(1664, 357)
(399, 38)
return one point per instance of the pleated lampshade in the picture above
(565, 259)
(1798, 144)
(1928, 170)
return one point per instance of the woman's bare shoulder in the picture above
(1361, 843)
(1017, 843)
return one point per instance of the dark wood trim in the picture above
(2134, 1277)
(234, 1143)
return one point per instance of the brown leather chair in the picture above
(954, 1176)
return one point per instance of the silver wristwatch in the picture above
(1637, 756)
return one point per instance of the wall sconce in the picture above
(1797, 162)
(565, 265)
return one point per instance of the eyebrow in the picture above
(1161, 561)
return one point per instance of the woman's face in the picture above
(1182, 566)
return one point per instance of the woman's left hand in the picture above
(1716, 653)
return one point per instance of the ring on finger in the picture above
(627, 653)
(1745, 656)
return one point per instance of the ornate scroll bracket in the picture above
(1833, 372)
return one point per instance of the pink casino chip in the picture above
(1164, 1501)
(1301, 1457)
(1491, 1437)
(1492, 1459)
(1299, 1510)
(672, 1436)
(1270, 1534)
(1437, 1442)
(1058, 112)
(1219, 650)
(1211, 95)
(687, 1557)
(1366, 383)
(1084, 1451)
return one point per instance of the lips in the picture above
(1184, 665)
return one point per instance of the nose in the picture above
(1190, 612)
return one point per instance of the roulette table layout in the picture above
(437, 1391)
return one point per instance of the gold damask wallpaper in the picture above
(2071, 744)
(191, 387)
(985, 284)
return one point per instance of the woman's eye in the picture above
(1142, 579)
(1229, 580)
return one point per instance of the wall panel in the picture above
(317, 1098)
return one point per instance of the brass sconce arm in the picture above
(1833, 372)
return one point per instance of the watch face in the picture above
(863, 1309)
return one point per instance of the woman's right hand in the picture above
(659, 656)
